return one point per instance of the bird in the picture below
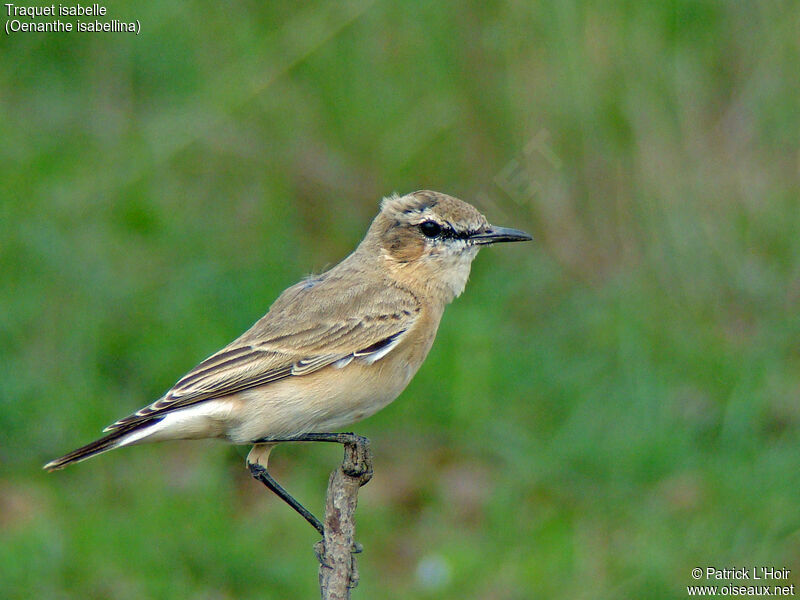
(333, 349)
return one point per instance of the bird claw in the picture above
(357, 459)
(354, 576)
(319, 552)
(358, 548)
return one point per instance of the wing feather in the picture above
(303, 332)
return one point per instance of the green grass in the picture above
(603, 409)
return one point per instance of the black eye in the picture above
(430, 229)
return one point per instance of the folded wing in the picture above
(303, 332)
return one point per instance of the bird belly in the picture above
(326, 400)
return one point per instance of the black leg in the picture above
(260, 473)
(337, 438)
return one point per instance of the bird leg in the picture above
(260, 473)
(357, 463)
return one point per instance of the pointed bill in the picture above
(493, 234)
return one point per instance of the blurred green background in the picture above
(603, 410)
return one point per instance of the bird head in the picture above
(432, 238)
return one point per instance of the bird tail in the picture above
(115, 439)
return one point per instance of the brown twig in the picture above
(338, 572)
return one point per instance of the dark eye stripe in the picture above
(432, 229)
(452, 234)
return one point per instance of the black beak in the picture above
(493, 235)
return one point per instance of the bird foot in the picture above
(320, 553)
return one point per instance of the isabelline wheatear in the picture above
(333, 349)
